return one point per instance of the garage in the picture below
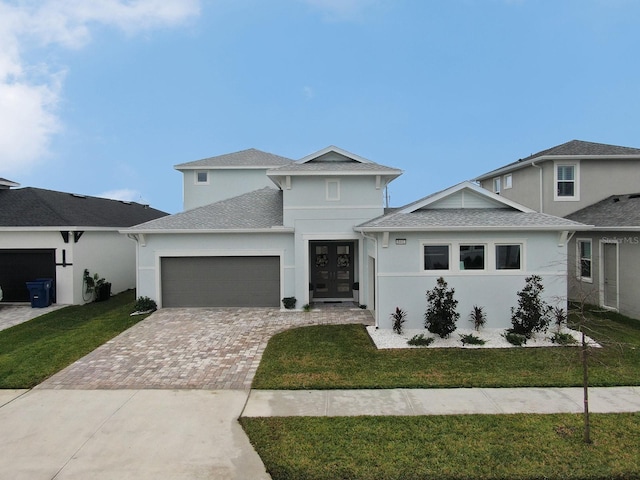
(220, 281)
(18, 266)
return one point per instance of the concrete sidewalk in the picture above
(274, 403)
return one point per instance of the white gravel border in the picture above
(385, 338)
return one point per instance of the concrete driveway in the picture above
(161, 400)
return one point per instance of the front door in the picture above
(610, 274)
(332, 269)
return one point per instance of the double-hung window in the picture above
(566, 181)
(584, 260)
(497, 185)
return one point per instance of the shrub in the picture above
(398, 317)
(420, 340)
(559, 318)
(515, 338)
(289, 302)
(471, 339)
(144, 304)
(563, 339)
(478, 317)
(306, 307)
(441, 315)
(532, 314)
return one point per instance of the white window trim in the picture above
(485, 257)
(195, 179)
(576, 181)
(490, 266)
(579, 261)
(508, 181)
(328, 184)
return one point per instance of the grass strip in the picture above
(447, 447)
(343, 356)
(33, 351)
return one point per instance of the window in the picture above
(566, 181)
(507, 257)
(496, 185)
(436, 257)
(508, 181)
(584, 260)
(333, 190)
(471, 257)
(202, 177)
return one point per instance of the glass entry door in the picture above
(332, 269)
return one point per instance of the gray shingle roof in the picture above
(573, 148)
(336, 167)
(244, 158)
(614, 211)
(35, 207)
(260, 209)
(471, 218)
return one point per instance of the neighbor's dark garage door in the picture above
(220, 281)
(18, 266)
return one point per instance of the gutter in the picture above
(533, 164)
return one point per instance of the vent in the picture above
(77, 195)
(635, 195)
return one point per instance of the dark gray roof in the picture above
(339, 167)
(614, 211)
(260, 209)
(244, 158)
(469, 218)
(35, 207)
(574, 148)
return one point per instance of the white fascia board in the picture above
(197, 231)
(333, 148)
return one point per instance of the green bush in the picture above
(516, 339)
(441, 315)
(420, 340)
(398, 317)
(563, 339)
(289, 302)
(471, 339)
(144, 304)
(532, 314)
(478, 317)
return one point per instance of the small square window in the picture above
(471, 257)
(507, 257)
(436, 257)
(202, 177)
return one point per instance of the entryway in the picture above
(332, 269)
(609, 257)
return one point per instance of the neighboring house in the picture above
(581, 181)
(49, 234)
(320, 229)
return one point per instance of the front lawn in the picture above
(343, 356)
(447, 447)
(35, 350)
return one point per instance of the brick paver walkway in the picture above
(195, 348)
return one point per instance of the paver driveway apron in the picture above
(192, 348)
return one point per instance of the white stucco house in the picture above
(57, 235)
(316, 228)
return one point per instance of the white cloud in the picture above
(125, 194)
(342, 10)
(29, 94)
(308, 92)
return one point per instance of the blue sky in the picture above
(105, 97)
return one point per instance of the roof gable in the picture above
(333, 154)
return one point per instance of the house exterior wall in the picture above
(222, 184)
(108, 253)
(221, 244)
(402, 282)
(597, 179)
(590, 290)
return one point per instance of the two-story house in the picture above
(317, 230)
(595, 184)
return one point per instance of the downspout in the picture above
(375, 276)
(533, 164)
(134, 237)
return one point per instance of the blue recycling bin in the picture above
(52, 288)
(39, 294)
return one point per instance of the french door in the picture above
(332, 269)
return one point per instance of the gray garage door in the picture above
(220, 281)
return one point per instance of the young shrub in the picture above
(398, 317)
(532, 314)
(306, 307)
(477, 317)
(515, 338)
(420, 341)
(471, 339)
(144, 304)
(559, 318)
(289, 302)
(441, 315)
(563, 339)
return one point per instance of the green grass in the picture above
(343, 356)
(35, 350)
(447, 447)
